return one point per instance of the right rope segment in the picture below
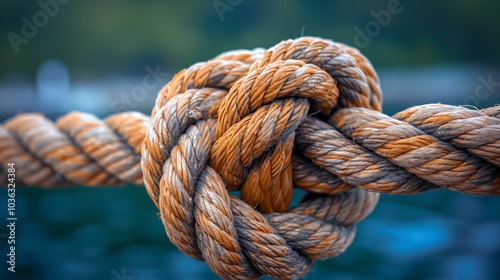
(438, 146)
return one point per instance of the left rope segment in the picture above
(77, 149)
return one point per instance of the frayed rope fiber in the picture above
(304, 113)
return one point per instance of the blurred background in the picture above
(57, 56)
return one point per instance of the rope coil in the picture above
(304, 113)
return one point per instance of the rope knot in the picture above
(230, 124)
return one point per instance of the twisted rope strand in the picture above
(269, 185)
(265, 247)
(168, 125)
(15, 148)
(492, 112)
(328, 149)
(216, 73)
(78, 149)
(357, 81)
(255, 134)
(278, 80)
(464, 129)
(177, 185)
(312, 178)
(429, 158)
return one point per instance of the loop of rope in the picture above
(304, 113)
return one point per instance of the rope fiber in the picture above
(305, 113)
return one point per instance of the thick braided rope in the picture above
(258, 132)
(261, 111)
(263, 122)
(78, 149)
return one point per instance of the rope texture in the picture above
(304, 113)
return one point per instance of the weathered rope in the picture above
(78, 149)
(304, 113)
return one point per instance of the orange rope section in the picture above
(78, 149)
(304, 113)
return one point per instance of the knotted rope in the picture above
(304, 113)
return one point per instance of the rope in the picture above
(304, 113)
(78, 149)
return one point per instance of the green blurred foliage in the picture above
(97, 38)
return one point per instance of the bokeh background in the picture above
(93, 56)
